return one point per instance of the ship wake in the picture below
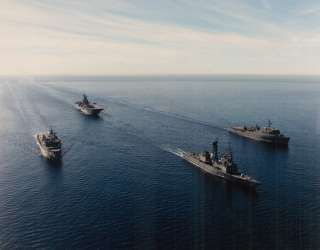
(176, 151)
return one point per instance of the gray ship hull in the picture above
(90, 111)
(275, 140)
(216, 171)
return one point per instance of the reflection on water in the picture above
(56, 164)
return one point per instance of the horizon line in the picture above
(156, 75)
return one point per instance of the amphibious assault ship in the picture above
(222, 167)
(266, 134)
(50, 145)
(87, 107)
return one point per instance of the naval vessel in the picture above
(265, 134)
(223, 167)
(87, 107)
(50, 145)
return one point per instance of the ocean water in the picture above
(119, 188)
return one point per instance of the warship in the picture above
(223, 167)
(266, 134)
(50, 145)
(87, 107)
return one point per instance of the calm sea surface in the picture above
(118, 188)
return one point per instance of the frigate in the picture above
(223, 167)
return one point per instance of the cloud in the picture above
(266, 4)
(148, 37)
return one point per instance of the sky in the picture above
(160, 37)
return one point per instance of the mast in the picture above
(215, 150)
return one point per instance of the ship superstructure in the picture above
(265, 134)
(50, 145)
(88, 108)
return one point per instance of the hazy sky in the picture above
(159, 37)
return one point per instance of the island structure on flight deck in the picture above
(87, 107)
(265, 134)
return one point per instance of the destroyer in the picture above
(87, 107)
(50, 145)
(222, 167)
(266, 134)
